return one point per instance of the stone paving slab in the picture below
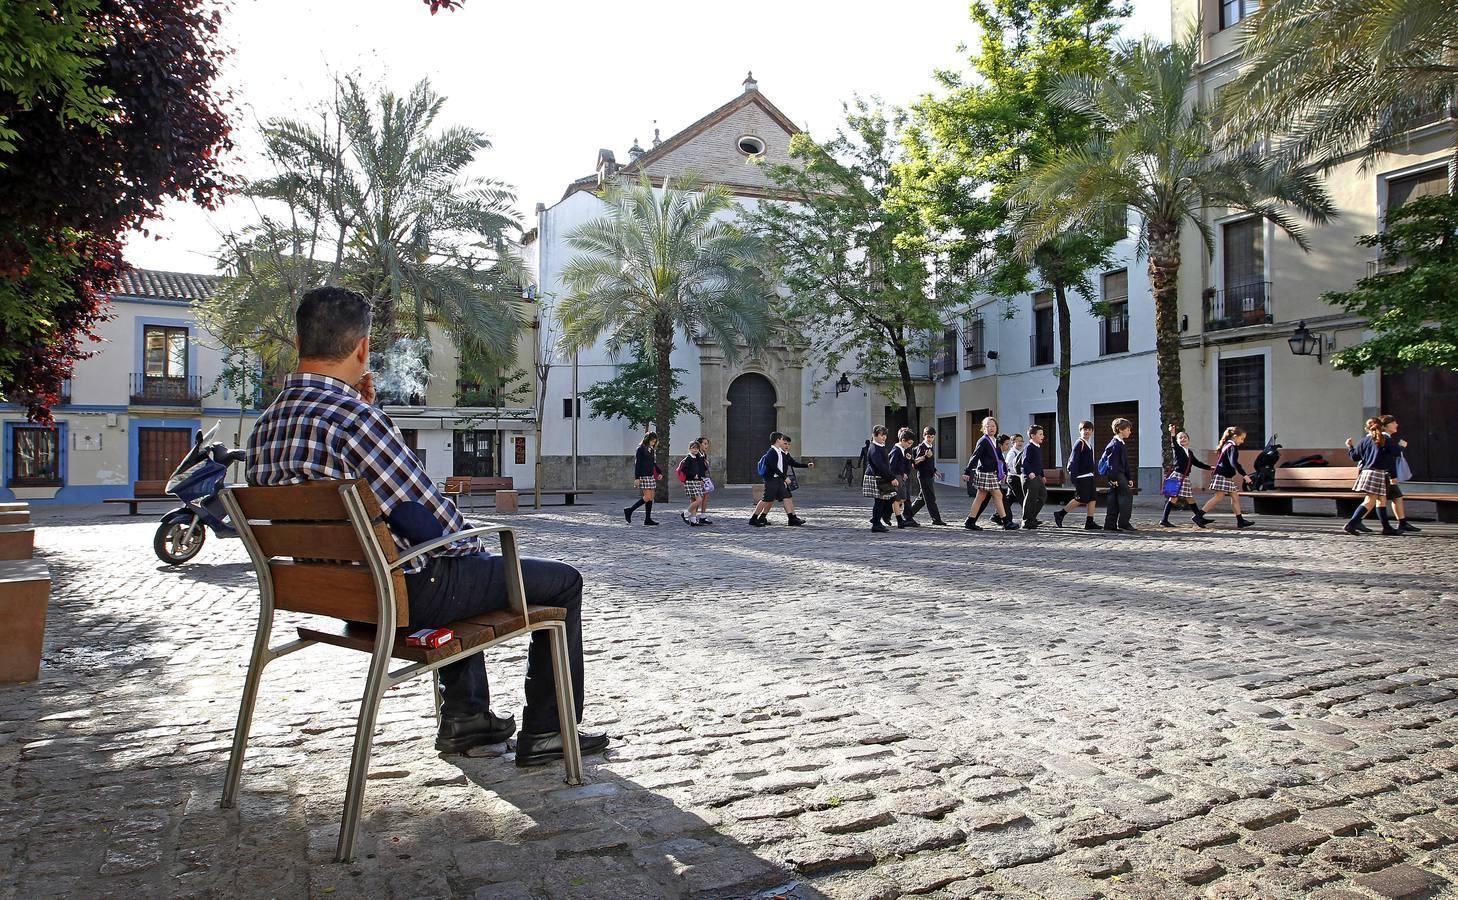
(804, 713)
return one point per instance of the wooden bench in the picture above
(501, 490)
(25, 590)
(354, 574)
(145, 492)
(17, 541)
(14, 513)
(1061, 491)
(1330, 482)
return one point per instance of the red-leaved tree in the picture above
(71, 190)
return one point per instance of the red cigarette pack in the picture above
(430, 638)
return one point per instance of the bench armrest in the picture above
(445, 540)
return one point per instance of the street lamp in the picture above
(842, 385)
(1304, 343)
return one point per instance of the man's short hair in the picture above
(331, 321)
(906, 434)
(775, 436)
(1036, 429)
(1121, 424)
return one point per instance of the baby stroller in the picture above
(1264, 476)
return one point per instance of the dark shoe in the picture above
(1392, 532)
(878, 528)
(971, 525)
(1091, 525)
(535, 749)
(1363, 529)
(1009, 525)
(757, 522)
(1243, 522)
(1405, 526)
(1058, 517)
(1029, 526)
(649, 522)
(704, 520)
(1166, 523)
(1113, 528)
(796, 521)
(1127, 528)
(684, 516)
(912, 523)
(457, 735)
(1352, 529)
(628, 514)
(1200, 518)
(938, 522)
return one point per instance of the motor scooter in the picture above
(198, 483)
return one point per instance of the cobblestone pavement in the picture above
(800, 712)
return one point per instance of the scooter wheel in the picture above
(172, 543)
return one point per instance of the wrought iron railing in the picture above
(1238, 306)
(162, 390)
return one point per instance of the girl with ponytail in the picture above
(1223, 479)
(1375, 457)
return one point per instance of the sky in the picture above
(553, 81)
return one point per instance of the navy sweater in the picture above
(643, 464)
(1081, 460)
(1185, 460)
(984, 456)
(1229, 462)
(878, 461)
(1032, 460)
(1370, 455)
(1118, 455)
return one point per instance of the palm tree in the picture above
(1334, 77)
(1150, 152)
(660, 263)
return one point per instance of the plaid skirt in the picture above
(1221, 484)
(986, 481)
(646, 483)
(694, 487)
(1372, 481)
(1187, 490)
(871, 488)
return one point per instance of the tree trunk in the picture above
(908, 389)
(1065, 370)
(662, 399)
(1164, 270)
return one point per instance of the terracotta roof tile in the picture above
(153, 284)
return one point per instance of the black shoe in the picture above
(912, 523)
(878, 528)
(1166, 523)
(1403, 525)
(971, 525)
(1392, 532)
(628, 514)
(1058, 517)
(1009, 525)
(1091, 525)
(1113, 528)
(1352, 529)
(757, 522)
(938, 522)
(1127, 528)
(535, 749)
(1362, 528)
(1029, 526)
(649, 522)
(704, 520)
(1243, 522)
(684, 516)
(457, 735)
(796, 521)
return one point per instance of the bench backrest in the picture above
(476, 484)
(1053, 477)
(1335, 457)
(149, 489)
(1316, 478)
(316, 554)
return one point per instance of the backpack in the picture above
(1106, 465)
(682, 478)
(762, 464)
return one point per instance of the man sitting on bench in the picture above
(322, 426)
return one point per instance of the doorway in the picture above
(751, 418)
(159, 450)
(1425, 402)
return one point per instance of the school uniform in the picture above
(1222, 476)
(645, 469)
(986, 469)
(1014, 483)
(1121, 494)
(926, 476)
(1035, 488)
(1184, 463)
(776, 464)
(1377, 462)
(1081, 471)
(878, 466)
(695, 468)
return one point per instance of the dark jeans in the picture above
(928, 497)
(1120, 506)
(454, 587)
(1014, 492)
(1035, 494)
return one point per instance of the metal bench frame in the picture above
(380, 679)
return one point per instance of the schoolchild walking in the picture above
(709, 485)
(1035, 485)
(879, 483)
(1081, 471)
(1400, 472)
(645, 477)
(903, 471)
(1227, 479)
(692, 470)
(1115, 468)
(1374, 457)
(776, 467)
(924, 460)
(987, 472)
(1013, 456)
(1184, 462)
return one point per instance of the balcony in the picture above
(973, 337)
(65, 394)
(1238, 306)
(158, 390)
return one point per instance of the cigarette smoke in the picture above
(400, 371)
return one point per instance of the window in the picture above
(1431, 183)
(1232, 11)
(1114, 326)
(474, 454)
(946, 361)
(947, 437)
(164, 352)
(974, 355)
(1049, 423)
(567, 407)
(1243, 396)
(1042, 337)
(35, 453)
(1244, 300)
(750, 145)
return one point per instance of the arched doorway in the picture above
(752, 416)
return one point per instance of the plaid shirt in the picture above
(320, 428)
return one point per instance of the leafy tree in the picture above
(630, 394)
(375, 198)
(151, 68)
(1334, 77)
(1409, 303)
(854, 289)
(968, 148)
(659, 263)
(1150, 152)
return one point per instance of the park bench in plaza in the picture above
(350, 571)
(502, 490)
(1329, 482)
(1060, 491)
(144, 492)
